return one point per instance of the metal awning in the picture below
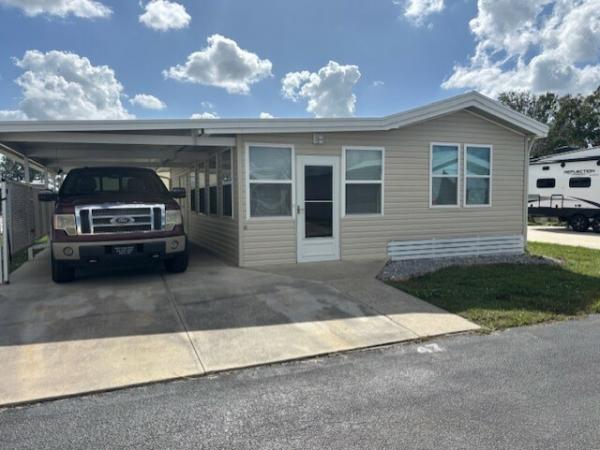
(158, 148)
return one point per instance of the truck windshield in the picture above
(112, 180)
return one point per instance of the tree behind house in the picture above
(574, 120)
(11, 170)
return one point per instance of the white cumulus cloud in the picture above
(266, 115)
(61, 85)
(12, 114)
(537, 45)
(222, 64)
(417, 11)
(87, 9)
(148, 101)
(329, 91)
(204, 115)
(165, 15)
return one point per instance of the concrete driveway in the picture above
(563, 236)
(118, 329)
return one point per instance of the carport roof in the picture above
(471, 101)
(161, 143)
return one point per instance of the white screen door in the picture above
(317, 208)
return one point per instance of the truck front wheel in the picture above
(178, 263)
(579, 223)
(61, 272)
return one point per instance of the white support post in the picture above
(4, 224)
(27, 172)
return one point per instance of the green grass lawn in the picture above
(509, 295)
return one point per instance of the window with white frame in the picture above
(201, 187)
(270, 178)
(226, 184)
(444, 174)
(213, 189)
(478, 175)
(363, 180)
(193, 191)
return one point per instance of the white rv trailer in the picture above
(567, 186)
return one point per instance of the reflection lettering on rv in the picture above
(580, 172)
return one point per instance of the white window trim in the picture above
(292, 181)
(216, 156)
(228, 183)
(457, 176)
(195, 189)
(489, 177)
(345, 148)
(204, 164)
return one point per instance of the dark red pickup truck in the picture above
(115, 216)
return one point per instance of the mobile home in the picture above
(446, 178)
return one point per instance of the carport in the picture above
(53, 148)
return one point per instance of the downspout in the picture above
(528, 145)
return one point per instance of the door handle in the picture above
(299, 209)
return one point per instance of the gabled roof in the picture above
(472, 101)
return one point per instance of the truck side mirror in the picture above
(178, 192)
(47, 196)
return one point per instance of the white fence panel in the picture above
(440, 248)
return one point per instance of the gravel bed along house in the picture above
(403, 270)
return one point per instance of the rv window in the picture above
(543, 183)
(580, 182)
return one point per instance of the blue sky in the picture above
(404, 59)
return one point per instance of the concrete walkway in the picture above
(119, 329)
(563, 236)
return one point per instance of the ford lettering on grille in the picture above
(122, 220)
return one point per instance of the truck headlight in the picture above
(173, 218)
(65, 222)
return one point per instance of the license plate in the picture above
(124, 250)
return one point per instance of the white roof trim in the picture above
(252, 126)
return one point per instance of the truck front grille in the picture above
(116, 218)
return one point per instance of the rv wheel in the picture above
(579, 223)
(596, 224)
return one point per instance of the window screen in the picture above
(363, 181)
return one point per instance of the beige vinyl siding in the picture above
(407, 214)
(217, 234)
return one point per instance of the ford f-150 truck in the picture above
(115, 216)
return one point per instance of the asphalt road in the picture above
(534, 387)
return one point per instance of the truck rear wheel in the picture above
(61, 272)
(579, 223)
(178, 263)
